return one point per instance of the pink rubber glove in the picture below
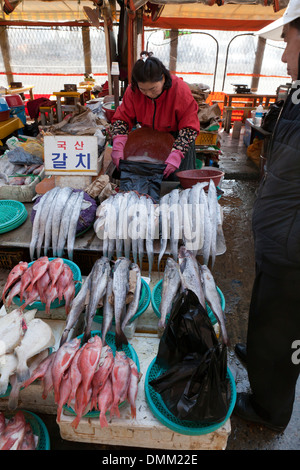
(173, 162)
(117, 153)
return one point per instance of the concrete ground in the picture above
(234, 274)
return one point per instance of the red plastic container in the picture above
(4, 115)
(14, 100)
(188, 178)
(109, 110)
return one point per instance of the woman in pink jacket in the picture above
(161, 101)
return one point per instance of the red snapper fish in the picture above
(105, 401)
(120, 380)
(82, 399)
(15, 290)
(14, 432)
(42, 286)
(88, 361)
(25, 281)
(28, 442)
(14, 275)
(65, 278)
(62, 360)
(55, 269)
(50, 297)
(133, 387)
(40, 371)
(30, 297)
(103, 371)
(75, 375)
(2, 422)
(39, 267)
(47, 379)
(64, 393)
(69, 294)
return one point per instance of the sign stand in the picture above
(71, 159)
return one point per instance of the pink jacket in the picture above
(173, 110)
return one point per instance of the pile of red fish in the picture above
(88, 377)
(43, 281)
(16, 433)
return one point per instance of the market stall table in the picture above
(77, 96)
(9, 126)
(87, 90)
(14, 247)
(17, 91)
(249, 99)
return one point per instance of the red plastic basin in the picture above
(188, 178)
(108, 111)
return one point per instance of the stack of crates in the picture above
(207, 149)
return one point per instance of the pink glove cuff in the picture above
(119, 142)
(175, 158)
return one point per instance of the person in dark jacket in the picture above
(160, 101)
(272, 352)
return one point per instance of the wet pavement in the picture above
(234, 274)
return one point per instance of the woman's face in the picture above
(152, 89)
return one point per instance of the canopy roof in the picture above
(238, 15)
(203, 14)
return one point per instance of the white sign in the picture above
(71, 155)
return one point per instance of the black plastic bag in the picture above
(145, 178)
(195, 386)
(188, 330)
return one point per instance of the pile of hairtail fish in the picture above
(43, 280)
(16, 433)
(55, 222)
(129, 222)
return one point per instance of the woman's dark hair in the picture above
(149, 69)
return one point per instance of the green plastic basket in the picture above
(129, 351)
(156, 300)
(144, 302)
(162, 413)
(38, 427)
(12, 215)
(56, 304)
